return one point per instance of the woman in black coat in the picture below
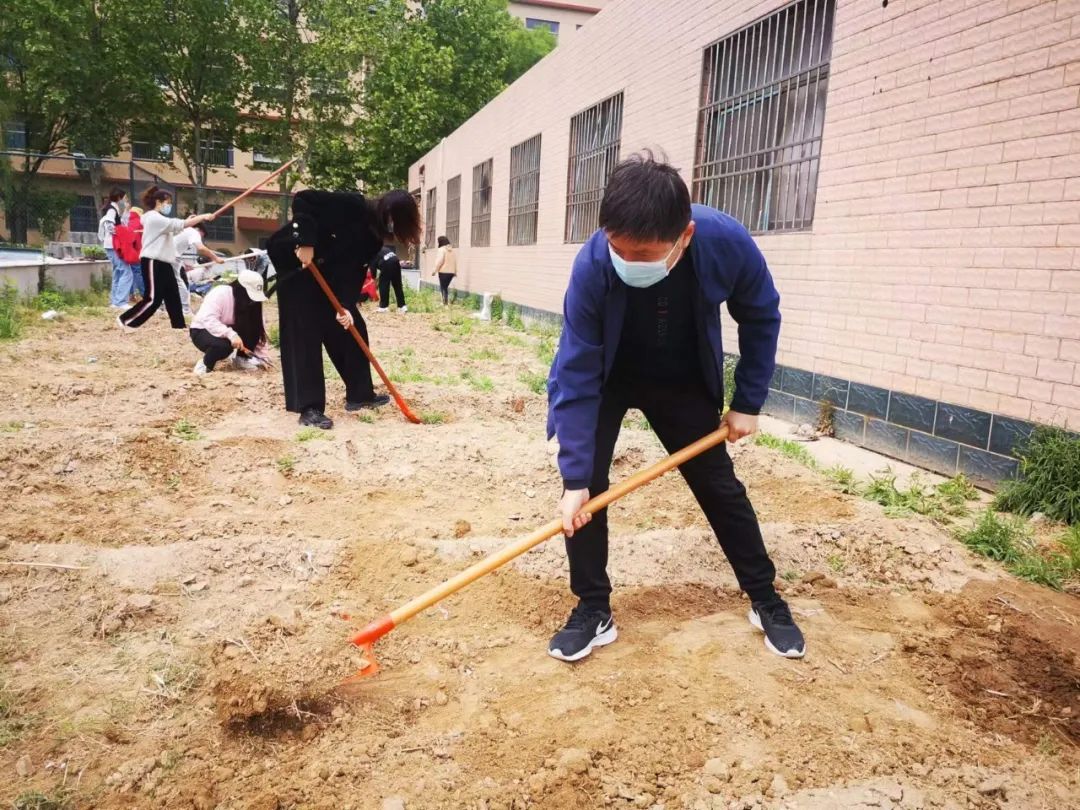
(341, 232)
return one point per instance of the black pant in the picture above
(680, 415)
(160, 287)
(307, 324)
(387, 278)
(213, 348)
(444, 285)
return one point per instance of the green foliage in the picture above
(477, 383)
(957, 491)
(546, 349)
(496, 309)
(274, 334)
(844, 479)
(10, 318)
(1008, 540)
(432, 417)
(484, 354)
(1049, 477)
(96, 252)
(425, 300)
(12, 426)
(51, 207)
(826, 415)
(534, 381)
(513, 318)
(286, 464)
(310, 434)
(836, 562)
(947, 499)
(793, 450)
(53, 297)
(366, 418)
(13, 720)
(186, 431)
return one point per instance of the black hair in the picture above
(645, 200)
(115, 195)
(444, 241)
(248, 317)
(152, 196)
(397, 217)
(201, 227)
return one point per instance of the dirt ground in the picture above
(193, 655)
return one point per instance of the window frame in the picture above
(523, 215)
(452, 230)
(429, 218)
(480, 233)
(594, 147)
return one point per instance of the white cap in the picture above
(253, 283)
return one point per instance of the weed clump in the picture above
(1049, 478)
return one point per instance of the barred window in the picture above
(222, 228)
(84, 215)
(429, 220)
(147, 148)
(763, 92)
(595, 136)
(481, 203)
(524, 192)
(15, 136)
(453, 210)
(214, 151)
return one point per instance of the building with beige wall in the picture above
(562, 19)
(911, 170)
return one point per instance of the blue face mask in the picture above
(166, 209)
(641, 274)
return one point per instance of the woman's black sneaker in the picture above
(378, 402)
(782, 635)
(313, 417)
(584, 630)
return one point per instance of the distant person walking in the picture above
(157, 259)
(445, 267)
(189, 246)
(121, 273)
(388, 265)
(133, 221)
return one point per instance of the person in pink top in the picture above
(229, 320)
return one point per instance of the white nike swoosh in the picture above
(603, 628)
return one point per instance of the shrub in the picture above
(1008, 541)
(497, 308)
(1049, 477)
(10, 319)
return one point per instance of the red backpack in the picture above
(127, 239)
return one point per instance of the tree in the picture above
(197, 53)
(439, 62)
(66, 77)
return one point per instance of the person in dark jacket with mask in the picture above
(341, 232)
(642, 330)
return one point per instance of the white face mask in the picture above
(166, 209)
(641, 274)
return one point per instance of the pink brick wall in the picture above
(944, 259)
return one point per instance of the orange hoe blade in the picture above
(403, 406)
(367, 637)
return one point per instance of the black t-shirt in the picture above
(659, 341)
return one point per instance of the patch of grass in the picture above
(793, 450)
(173, 679)
(329, 371)
(477, 382)
(1007, 539)
(286, 464)
(274, 334)
(546, 349)
(844, 479)
(424, 300)
(53, 297)
(432, 417)
(836, 563)
(484, 354)
(10, 318)
(366, 418)
(60, 799)
(310, 434)
(635, 420)
(790, 575)
(730, 361)
(1048, 746)
(514, 340)
(957, 491)
(185, 430)
(534, 381)
(497, 309)
(1049, 477)
(513, 318)
(947, 499)
(13, 721)
(13, 426)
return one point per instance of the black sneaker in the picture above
(782, 635)
(378, 402)
(313, 417)
(585, 629)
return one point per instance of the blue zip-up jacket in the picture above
(729, 267)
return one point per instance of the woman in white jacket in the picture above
(121, 273)
(157, 257)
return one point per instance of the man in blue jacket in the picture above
(642, 330)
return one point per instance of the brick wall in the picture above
(944, 259)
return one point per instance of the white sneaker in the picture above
(200, 369)
(247, 363)
(403, 309)
(383, 309)
(123, 326)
